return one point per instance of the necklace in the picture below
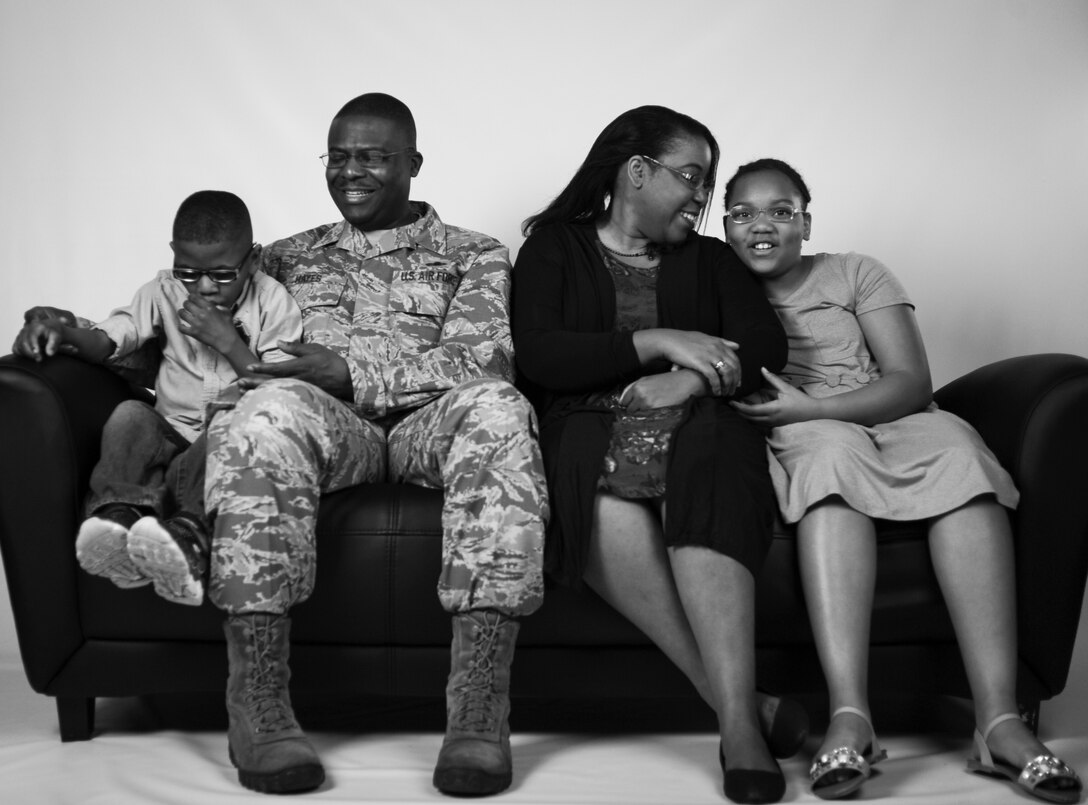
(644, 253)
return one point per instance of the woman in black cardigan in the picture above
(631, 333)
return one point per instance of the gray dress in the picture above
(920, 466)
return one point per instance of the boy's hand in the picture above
(208, 324)
(313, 363)
(43, 312)
(41, 339)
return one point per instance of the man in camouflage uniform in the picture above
(404, 374)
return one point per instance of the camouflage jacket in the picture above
(414, 311)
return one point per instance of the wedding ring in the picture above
(718, 366)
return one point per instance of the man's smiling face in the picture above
(371, 198)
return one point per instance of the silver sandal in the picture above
(842, 771)
(1035, 775)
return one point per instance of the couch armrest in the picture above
(51, 415)
(1033, 413)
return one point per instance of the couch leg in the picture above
(76, 716)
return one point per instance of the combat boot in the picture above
(267, 745)
(475, 756)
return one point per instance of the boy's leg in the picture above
(185, 480)
(172, 551)
(137, 446)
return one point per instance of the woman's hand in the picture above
(658, 391)
(712, 357)
(783, 404)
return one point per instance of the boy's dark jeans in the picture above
(148, 464)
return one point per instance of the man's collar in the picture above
(426, 232)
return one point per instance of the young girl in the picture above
(854, 435)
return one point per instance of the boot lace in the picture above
(264, 699)
(475, 703)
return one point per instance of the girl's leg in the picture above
(973, 559)
(836, 549)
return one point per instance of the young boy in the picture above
(212, 315)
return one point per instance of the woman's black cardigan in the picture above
(564, 305)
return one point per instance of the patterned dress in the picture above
(634, 466)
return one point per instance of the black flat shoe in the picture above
(751, 785)
(785, 732)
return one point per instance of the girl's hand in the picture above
(787, 405)
(658, 391)
(712, 357)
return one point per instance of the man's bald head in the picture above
(385, 107)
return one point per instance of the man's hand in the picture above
(783, 404)
(208, 324)
(313, 363)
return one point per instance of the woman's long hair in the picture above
(647, 130)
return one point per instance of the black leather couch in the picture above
(374, 625)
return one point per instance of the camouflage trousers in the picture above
(273, 454)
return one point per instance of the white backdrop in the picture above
(949, 139)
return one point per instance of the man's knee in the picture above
(494, 403)
(282, 391)
(280, 405)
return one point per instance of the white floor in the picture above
(174, 751)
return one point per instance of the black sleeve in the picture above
(560, 341)
(749, 319)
